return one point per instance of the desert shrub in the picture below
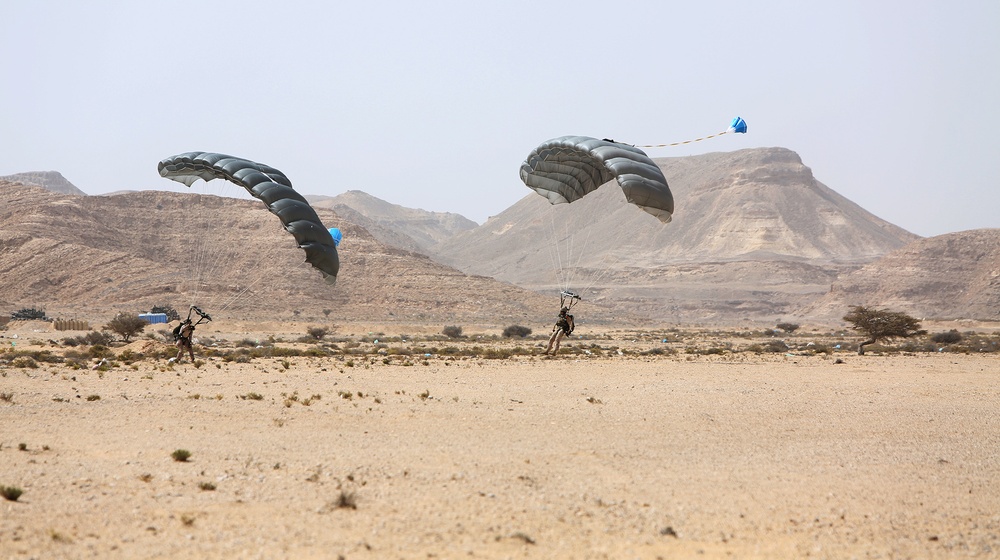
(181, 455)
(788, 327)
(10, 493)
(712, 351)
(516, 330)
(771, 346)
(128, 356)
(24, 362)
(43, 356)
(239, 357)
(126, 325)
(99, 351)
(820, 349)
(317, 332)
(452, 331)
(346, 500)
(950, 337)
(497, 353)
(94, 338)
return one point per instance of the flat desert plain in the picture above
(676, 455)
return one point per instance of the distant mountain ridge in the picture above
(49, 180)
(951, 276)
(754, 235)
(755, 239)
(406, 228)
(90, 257)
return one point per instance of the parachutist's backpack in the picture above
(177, 331)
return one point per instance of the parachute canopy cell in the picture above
(568, 168)
(272, 188)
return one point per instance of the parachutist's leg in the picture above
(552, 340)
(559, 335)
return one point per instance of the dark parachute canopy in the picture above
(568, 168)
(273, 189)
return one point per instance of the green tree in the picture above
(126, 325)
(881, 325)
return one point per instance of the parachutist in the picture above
(564, 326)
(182, 335)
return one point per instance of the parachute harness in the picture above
(568, 299)
(202, 316)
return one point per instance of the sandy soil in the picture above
(741, 456)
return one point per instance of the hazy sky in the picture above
(434, 105)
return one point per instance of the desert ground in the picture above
(627, 445)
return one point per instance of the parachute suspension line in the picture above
(563, 252)
(569, 249)
(238, 295)
(575, 267)
(208, 258)
(603, 269)
(684, 142)
(738, 125)
(555, 255)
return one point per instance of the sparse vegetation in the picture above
(452, 331)
(181, 455)
(949, 337)
(516, 330)
(881, 325)
(24, 362)
(346, 500)
(10, 493)
(787, 327)
(318, 333)
(126, 325)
